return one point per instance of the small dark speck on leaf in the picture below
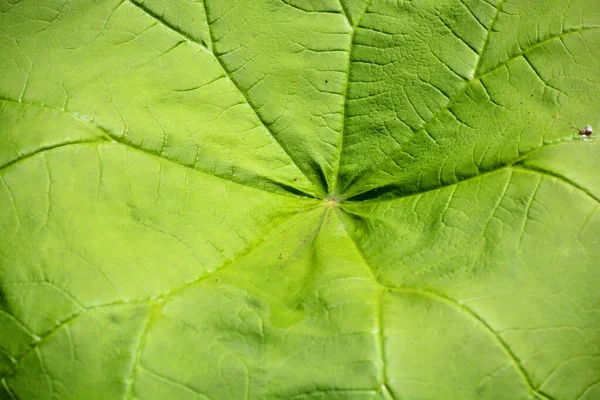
(280, 256)
(326, 80)
(254, 303)
(114, 318)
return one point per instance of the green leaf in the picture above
(296, 199)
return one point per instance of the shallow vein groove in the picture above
(527, 211)
(43, 339)
(392, 188)
(245, 97)
(345, 96)
(538, 74)
(155, 312)
(537, 44)
(550, 375)
(109, 137)
(44, 149)
(587, 390)
(251, 246)
(173, 382)
(357, 247)
(167, 25)
(53, 285)
(468, 311)
(559, 177)
(296, 7)
(386, 392)
(18, 322)
(345, 14)
(8, 390)
(454, 97)
(6, 354)
(487, 36)
(440, 297)
(384, 387)
(60, 324)
(226, 72)
(332, 391)
(478, 78)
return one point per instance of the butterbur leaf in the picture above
(294, 199)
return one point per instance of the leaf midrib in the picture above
(322, 186)
(335, 192)
(319, 186)
(395, 188)
(158, 302)
(439, 297)
(106, 136)
(476, 78)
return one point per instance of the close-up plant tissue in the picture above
(299, 199)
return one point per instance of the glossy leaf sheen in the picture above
(297, 199)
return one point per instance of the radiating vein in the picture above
(43, 149)
(478, 78)
(244, 95)
(251, 247)
(384, 388)
(482, 322)
(228, 75)
(386, 392)
(392, 191)
(345, 101)
(588, 389)
(155, 312)
(8, 389)
(532, 46)
(463, 308)
(487, 36)
(345, 14)
(175, 383)
(45, 337)
(107, 136)
(169, 26)
(560, 178)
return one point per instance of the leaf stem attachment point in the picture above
(332, 201)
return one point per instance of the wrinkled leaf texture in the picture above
(299, 199)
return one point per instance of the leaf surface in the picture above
(296, 199)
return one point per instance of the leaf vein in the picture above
(345, 101)
(173, 382)
(45, 149)
(155, 312)
(487, 36)
(390, 192)
(169, 26)
(110, 137)
(558, 177)
(472, 314)
(40, 340)
(244, 95)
